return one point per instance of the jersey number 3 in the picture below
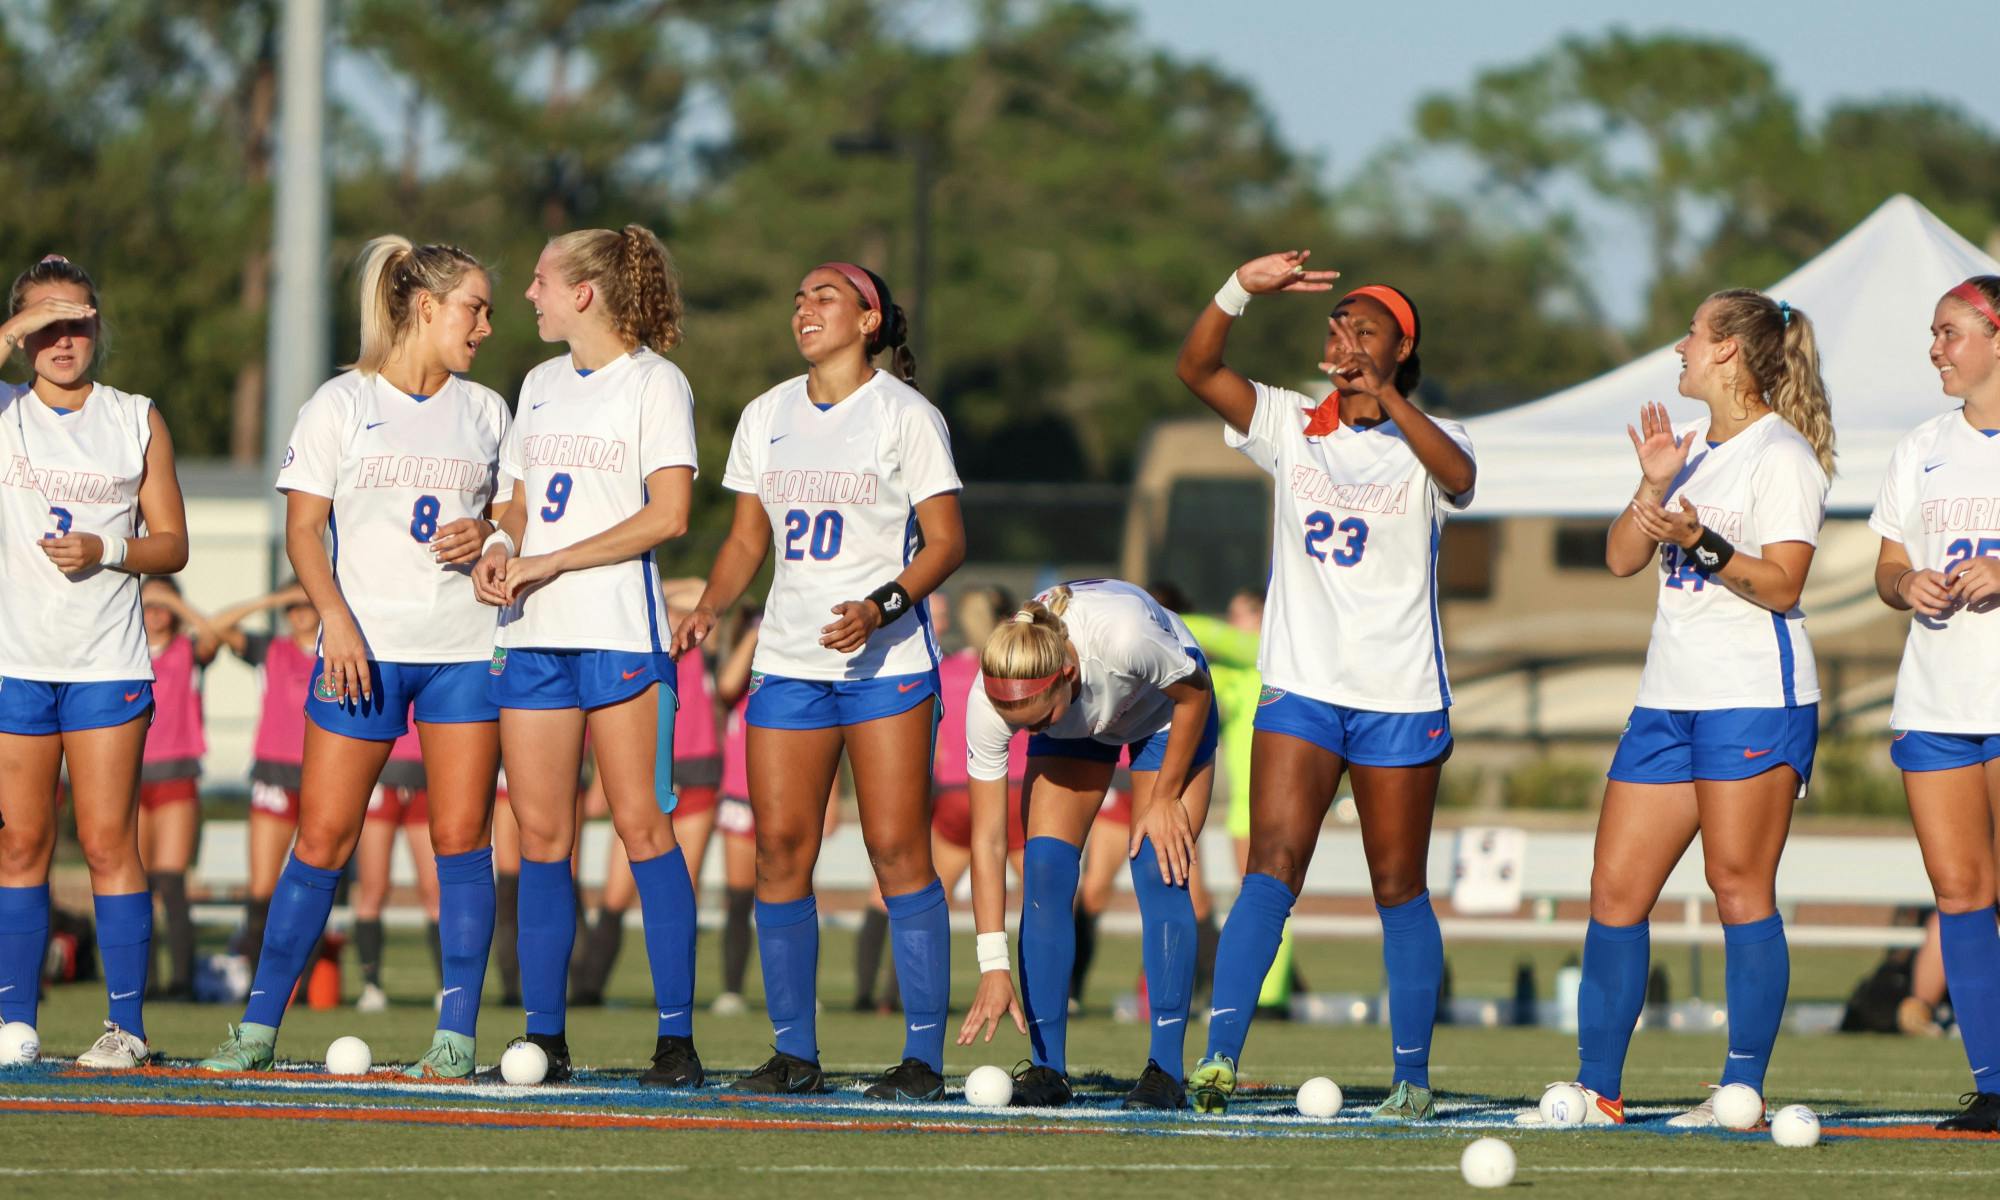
(820, 534)
(1320, 527)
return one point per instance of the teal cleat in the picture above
(251, 1047)
(1407, 1103)
(1211, 1083)
(450, 1057)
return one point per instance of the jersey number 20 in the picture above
(824, 530)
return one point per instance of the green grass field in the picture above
(312, 1136)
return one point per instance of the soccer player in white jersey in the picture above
(1721, 739)
(394, 462)
(1095, 671)
(88, 503)
(1352, 654)
(1939, 517)
(848, 471)
(602, 459)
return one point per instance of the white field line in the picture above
(1789, 1169)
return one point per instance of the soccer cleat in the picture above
(1981, 1115)
(912, 1081)
(251, 1047)
(1156, 1090)
(555, 1045)
(1602, 1110)
(784, 1075)
(1407, 1103)
(728, 1004)
(1039, 1087)
(675, 1064)
(372, 1000)
(1211, 1083)
(114, 1050)
(450, 1057)
(1702, 1116)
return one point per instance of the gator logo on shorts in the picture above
(756, 681)
(499, 662)
(1269, 695)
(324, 688)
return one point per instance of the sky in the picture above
(1342, 79)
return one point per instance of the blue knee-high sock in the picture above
(920, 940)
(299, 907)
(1049, 871)
(788, 949)
(1608, 1002)
(548, 934)
(125, 946)
(1243, 957)
(466, 911)
(666, 897)
(24, 939)
(1971, 944)
(1166, 915)
(1413, 959)
(1756, 973)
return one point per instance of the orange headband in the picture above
(1391, 299)
(1013, 691)
(1977, 299)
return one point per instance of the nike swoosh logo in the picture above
(1932, 467)
(258, 992)
(1219, 1012)
(781, 437)
(449, 991)
(530, 1012)
(5, 990)
(921, 1028)
(374, 424)
(1740, 1057)
(533, 407)
(901, 687)
(1163, 1022)
(1756, 753)
(1439, 732)
(781, 1032)
(131, 696)
(1899, 737)
(636, 671)
(1982, 1070)
(123, 995)
(1411, 1049)
(670, 1016)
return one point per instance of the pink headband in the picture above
(1013, 691)
(1977, 299)
(859, 278)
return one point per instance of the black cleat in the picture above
(675, 1064)
(556, 1046)
(1981, 1115)
(784, 1075)
(1040, 1087)
(1156, 1090)
(911, 1080)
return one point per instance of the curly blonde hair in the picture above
(635, 274)
(1782, 356)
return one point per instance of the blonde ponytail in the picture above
(634, 273)
(393, 271)
(1781, 355)
(1033, 644)
(1799, 397)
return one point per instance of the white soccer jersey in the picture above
(582, 447)
(1128, 651)
(1710, 647)
(60, 473)
(841, 486)
(1351, 617)
(1941, 500)
(397, 469)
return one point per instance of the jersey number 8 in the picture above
(424, 518)
(825, 529)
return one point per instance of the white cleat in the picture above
(1703, 1115)
(1596, 1109)
(373, 999)
(116, 1050)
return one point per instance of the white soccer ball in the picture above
(1319, 1098)
(349, 1056)
(1487, 1163)
(1738, 1107)
(989, 1087)
(1795, 1127)
(1563, 1104)
(524, 1064)
(19, 1044)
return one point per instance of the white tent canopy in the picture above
(1870, 296)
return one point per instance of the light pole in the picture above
(922, 154)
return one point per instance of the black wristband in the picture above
(1712, 552)
(892, 600)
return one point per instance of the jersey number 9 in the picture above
(559, 489)
(824, 530)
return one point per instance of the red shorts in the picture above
(1117, 808)
(951, 817)
(163, 792)
(695, 801)
(271, 800)
(403, 806)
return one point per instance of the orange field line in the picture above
(1909, 1133)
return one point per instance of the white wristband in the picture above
(1232, 298)
(114, 550)
(497, 538)
(992, 951)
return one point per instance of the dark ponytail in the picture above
(893, 334)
